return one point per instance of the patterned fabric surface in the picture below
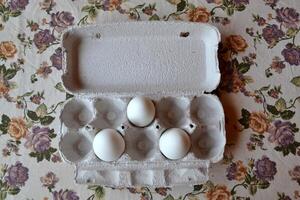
(260, 90)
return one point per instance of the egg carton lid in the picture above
(138, 58)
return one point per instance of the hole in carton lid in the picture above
(98, 35)
(184, 34)
(157, 127)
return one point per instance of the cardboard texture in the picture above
(106, 65)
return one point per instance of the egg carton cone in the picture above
(172, 63)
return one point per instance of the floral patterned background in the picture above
(260, 90)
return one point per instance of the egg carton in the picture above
(174, 64)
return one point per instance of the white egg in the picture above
(174, 143)
(108, 145)
(140, 111)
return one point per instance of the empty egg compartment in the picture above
(141, 143)
(206, 110)
(110, 113)
(76, 145)
(77, 113)
(208, 143)
(173, 111)
(208, 138)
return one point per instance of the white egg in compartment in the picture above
(174, 143)
(108, 145)
(140, 111)
(77, 113)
